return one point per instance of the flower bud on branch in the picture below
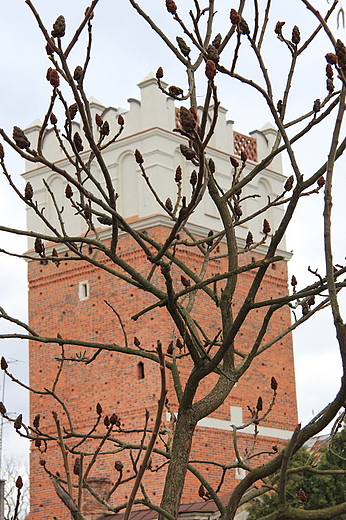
(18, 422)
(36, 421)
(78, 73)
(118, 465)
(53, 119)
(53, 77)
(178, 174)
(188, 122)
(259, 405)
(68, 192)
(210, 70)
(20, 138)
(273, 384)
(139, 157)
(185, 49)
(289, 183)
(266, 227)
(19, 482)
(187, 152)
(295, 35)
(159, 73)
(59, 27)
(78, 142)
(28, 192)
(171, 6)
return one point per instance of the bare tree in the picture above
(168, 277)
(15, 507)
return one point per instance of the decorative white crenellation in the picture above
(149, 125)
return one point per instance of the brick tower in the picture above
(70, 300)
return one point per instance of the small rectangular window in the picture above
(83, 290)
(140, 368)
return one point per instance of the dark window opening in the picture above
(140, 368)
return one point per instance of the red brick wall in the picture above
(112, 379)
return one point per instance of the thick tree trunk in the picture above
(181, 447)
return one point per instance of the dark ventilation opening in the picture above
(140, 368)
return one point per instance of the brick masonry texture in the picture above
(113, 379)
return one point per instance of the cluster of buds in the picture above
(77, 140)
(259, 405)
(212, 53)
(217, 41)
(36, 421)
(178, 174)
(289, 183)
(266, 227)
(77, 466)
(171, 6)
(28, 191)
(307, 304)
(294, 283)
(18, 423)
(159, 73)
(295, 35)
(19, 482)
(59, 27)
(340, 51)
(273, 384)
(39, 247)
(187, 119)
(49, 47)
(53, 77)
(139, 157)
(234, 162)
(98, 120)
(317, 104)
(179, 344)
(321, 182)
(238, 20)
(72, 110)
(187, 152)
(186, 283)
(175, 91)
(118, 465)
(210, 240)
(20, 138)
(210, 69)
(331, 60)
(53, 119)
(278, 29)
(249, 240)
(169, 205)
(193, 179)
(3, 363)
(115, 420)
(105, 130)
(68, 192)
(78, 73)
(185, 49)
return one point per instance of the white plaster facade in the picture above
(148, 126)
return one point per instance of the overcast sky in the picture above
(124, 51)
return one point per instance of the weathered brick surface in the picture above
(112, 379)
